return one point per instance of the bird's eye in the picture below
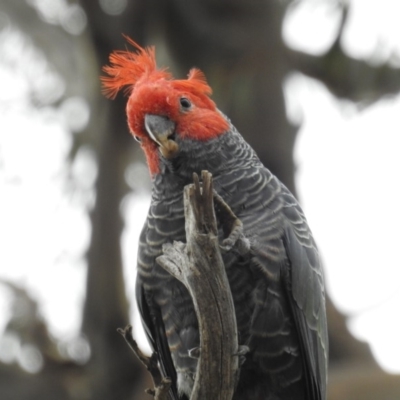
(137, 138)
(185, 103)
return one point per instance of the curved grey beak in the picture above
(159, 128)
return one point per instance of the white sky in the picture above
(350, 196)
(348, 167)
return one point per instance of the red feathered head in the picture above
(184, 103)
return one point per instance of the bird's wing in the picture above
(154, 328)
(303, 281)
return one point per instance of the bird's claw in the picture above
(242, 351)
(194, 353)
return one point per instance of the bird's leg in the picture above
(232, 227)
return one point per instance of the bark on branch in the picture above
(199, 266)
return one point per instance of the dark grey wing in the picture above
(155, 331)
(304, 285)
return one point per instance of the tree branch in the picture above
(341, 73)
(199, 266)
(161, 385)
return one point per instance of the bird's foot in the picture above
(237, 240)
(232, 227)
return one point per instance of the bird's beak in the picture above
(161, 130)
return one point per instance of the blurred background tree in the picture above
(239, 46)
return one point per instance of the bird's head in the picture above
(162, 111)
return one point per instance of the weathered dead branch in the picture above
(199, 266)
